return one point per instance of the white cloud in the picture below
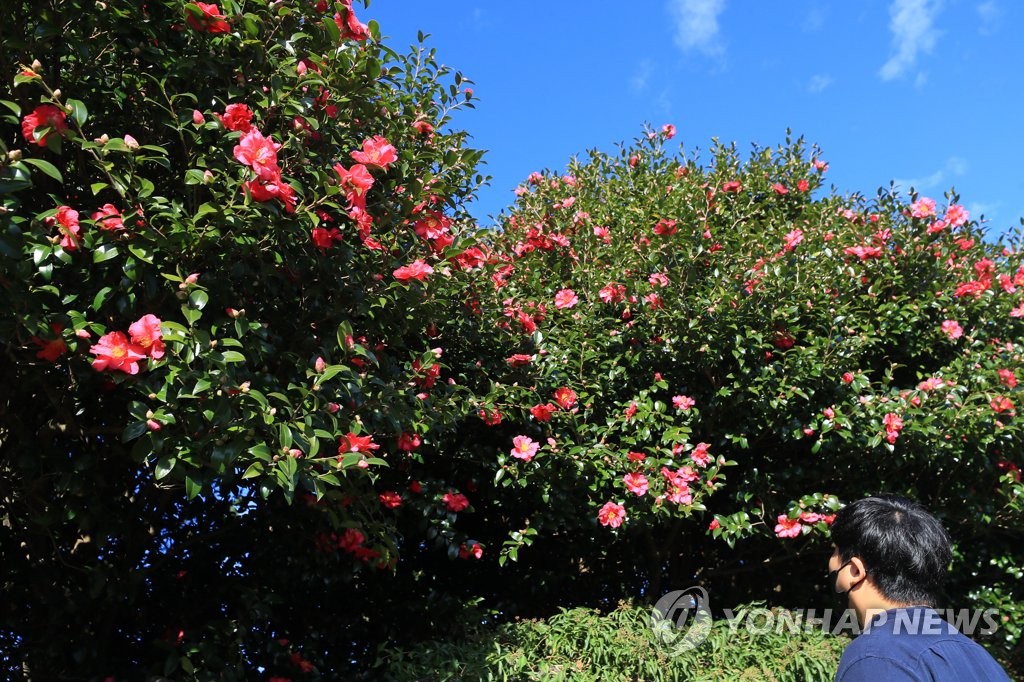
(912, 24)
(953, 168)
(638, 83)
(696, 24)
(814, 21)
(990, 13)
(818, 83)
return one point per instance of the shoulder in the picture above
(872, 667)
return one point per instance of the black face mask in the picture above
(833, 576)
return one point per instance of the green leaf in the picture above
(164, 466)
(46, 167)
(192, 486)
(104, 253)
(255, 469)
(12, 106)
(133, 431)
(78, 111)
(198, 299)
(232, 356)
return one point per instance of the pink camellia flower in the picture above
(349, 25)
(565, 397)
(417, 270)
(109, 218)
(355, 182)
(237, 117)
(1007, 377)
(611, 514)
(952, 329)
(714, 525)
(566, 298)
(66, 220)
(864, 252)
(43, 116)
(210, 21)
(114, 351)
(432, 225)
(668, 130)
(732, 186)
(658, 279)
(197, 117)
(786, 527)
(847, 377)
(260, 154)
(792, 239)
(146, 334)
(802, 185)
(376, 152)
(612, 293)
(519, 360)
(780, 189)
(682, 402)
(700, 454)
(810, 517)
(893, 424)
(350, 442)
(923, 208)
(956, 215)
(455, 502)
(524, 448)
(636, 483)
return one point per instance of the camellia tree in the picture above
(698, 361)
(217, 227)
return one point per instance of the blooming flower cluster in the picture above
(116, 351)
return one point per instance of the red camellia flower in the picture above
(350, 442)
(237, 117)
(114, 351)
(44, 116)
(408, 442)
(376, 152)
(475, 550)
(455, 502)
(66, 218)
(732, 186)
(519, 360)
(390, 499)
(565, 397)
(417, 270)
(51, 349)
(349, 26)
(109, 218)
(542, 413)
(210, 21)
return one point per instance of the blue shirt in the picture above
(915, 644)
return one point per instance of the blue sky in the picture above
(924, 92)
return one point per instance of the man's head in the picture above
(896, 545)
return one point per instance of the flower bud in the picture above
(56, 93)
(131, 143)
(102, 139)
(14, 155)
(37, 65)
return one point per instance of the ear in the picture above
(858, 571)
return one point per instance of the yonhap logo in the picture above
(681, 620)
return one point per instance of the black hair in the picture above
(905, 549)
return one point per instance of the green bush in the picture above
(582, 644)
